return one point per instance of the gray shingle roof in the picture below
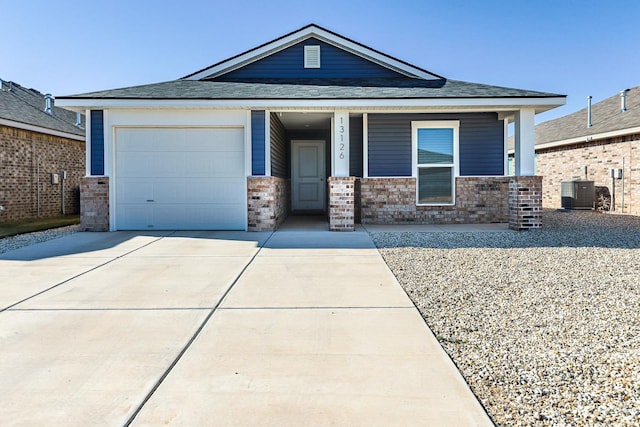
(316, 89)
(19, 104)
(605, 117)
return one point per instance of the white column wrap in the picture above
(525, 139)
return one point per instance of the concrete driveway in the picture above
(218, 328)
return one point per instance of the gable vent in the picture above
(312, 57)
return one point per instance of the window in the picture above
(435, 152)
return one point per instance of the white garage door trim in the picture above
(179, 178)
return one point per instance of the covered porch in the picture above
(318, 162)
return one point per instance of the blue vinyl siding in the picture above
(257, 143)
(390, 144)
(481, 146)
(97, 142)
(289, 63)
(481, 143)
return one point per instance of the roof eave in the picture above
(540, 104)
(40, 129)
(588, 138)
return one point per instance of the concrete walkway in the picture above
(218, 328)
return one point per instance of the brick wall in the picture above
(525, 203)
(393, 201)
(21, 152)
(94, 212)
(268, 202)
(565, 163)
(341, 203)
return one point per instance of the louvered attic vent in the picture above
(312, 57)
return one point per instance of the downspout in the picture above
(38, 186)
(623, 176)
(63, 175)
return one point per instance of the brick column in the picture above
(525, 203)
(268, 201)
(341, 203)
(94, 203)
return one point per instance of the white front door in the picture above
(308, 176)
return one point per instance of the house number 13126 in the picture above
(341, 132)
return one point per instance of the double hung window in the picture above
(435, 153)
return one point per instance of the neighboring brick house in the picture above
(311, 122)
(35, 143)
(566, 146)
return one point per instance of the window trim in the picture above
(436, 124)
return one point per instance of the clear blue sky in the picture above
(573, 47)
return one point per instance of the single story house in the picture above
(588, 145)
(42, 155)
(311, 122)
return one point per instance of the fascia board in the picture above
(587, 138)
(40, 129)
(493, 104)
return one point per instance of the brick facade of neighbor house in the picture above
(566, 162)
(268, 202)
(393, 201)
(341, 203)
(525, 203)
(22, 153)
(94, 192)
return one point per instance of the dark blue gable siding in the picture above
(481, 145)
(289, 63)
(257, 143)
(97, 142)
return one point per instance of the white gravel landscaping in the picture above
(22, 240)
(544, 325)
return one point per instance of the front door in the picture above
(308, 174)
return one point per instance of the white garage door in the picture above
(180, 179)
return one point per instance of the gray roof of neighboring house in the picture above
(26, 106)
(402, 88)
(606, 116)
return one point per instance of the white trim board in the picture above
(588, 138)
(40, 129)
(439, 104)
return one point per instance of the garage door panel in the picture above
(133, 190)
(180, 178)
(228, 189)
(138, 216)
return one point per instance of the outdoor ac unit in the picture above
(578, 194)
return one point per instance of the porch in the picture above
(312, 166)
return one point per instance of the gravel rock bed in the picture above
(22, 240)
(544, 325)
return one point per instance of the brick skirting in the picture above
(94, 203)
(268, 202)
(393, 201)
(341, 203)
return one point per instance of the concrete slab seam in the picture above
(80, 274)
(193, 337)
